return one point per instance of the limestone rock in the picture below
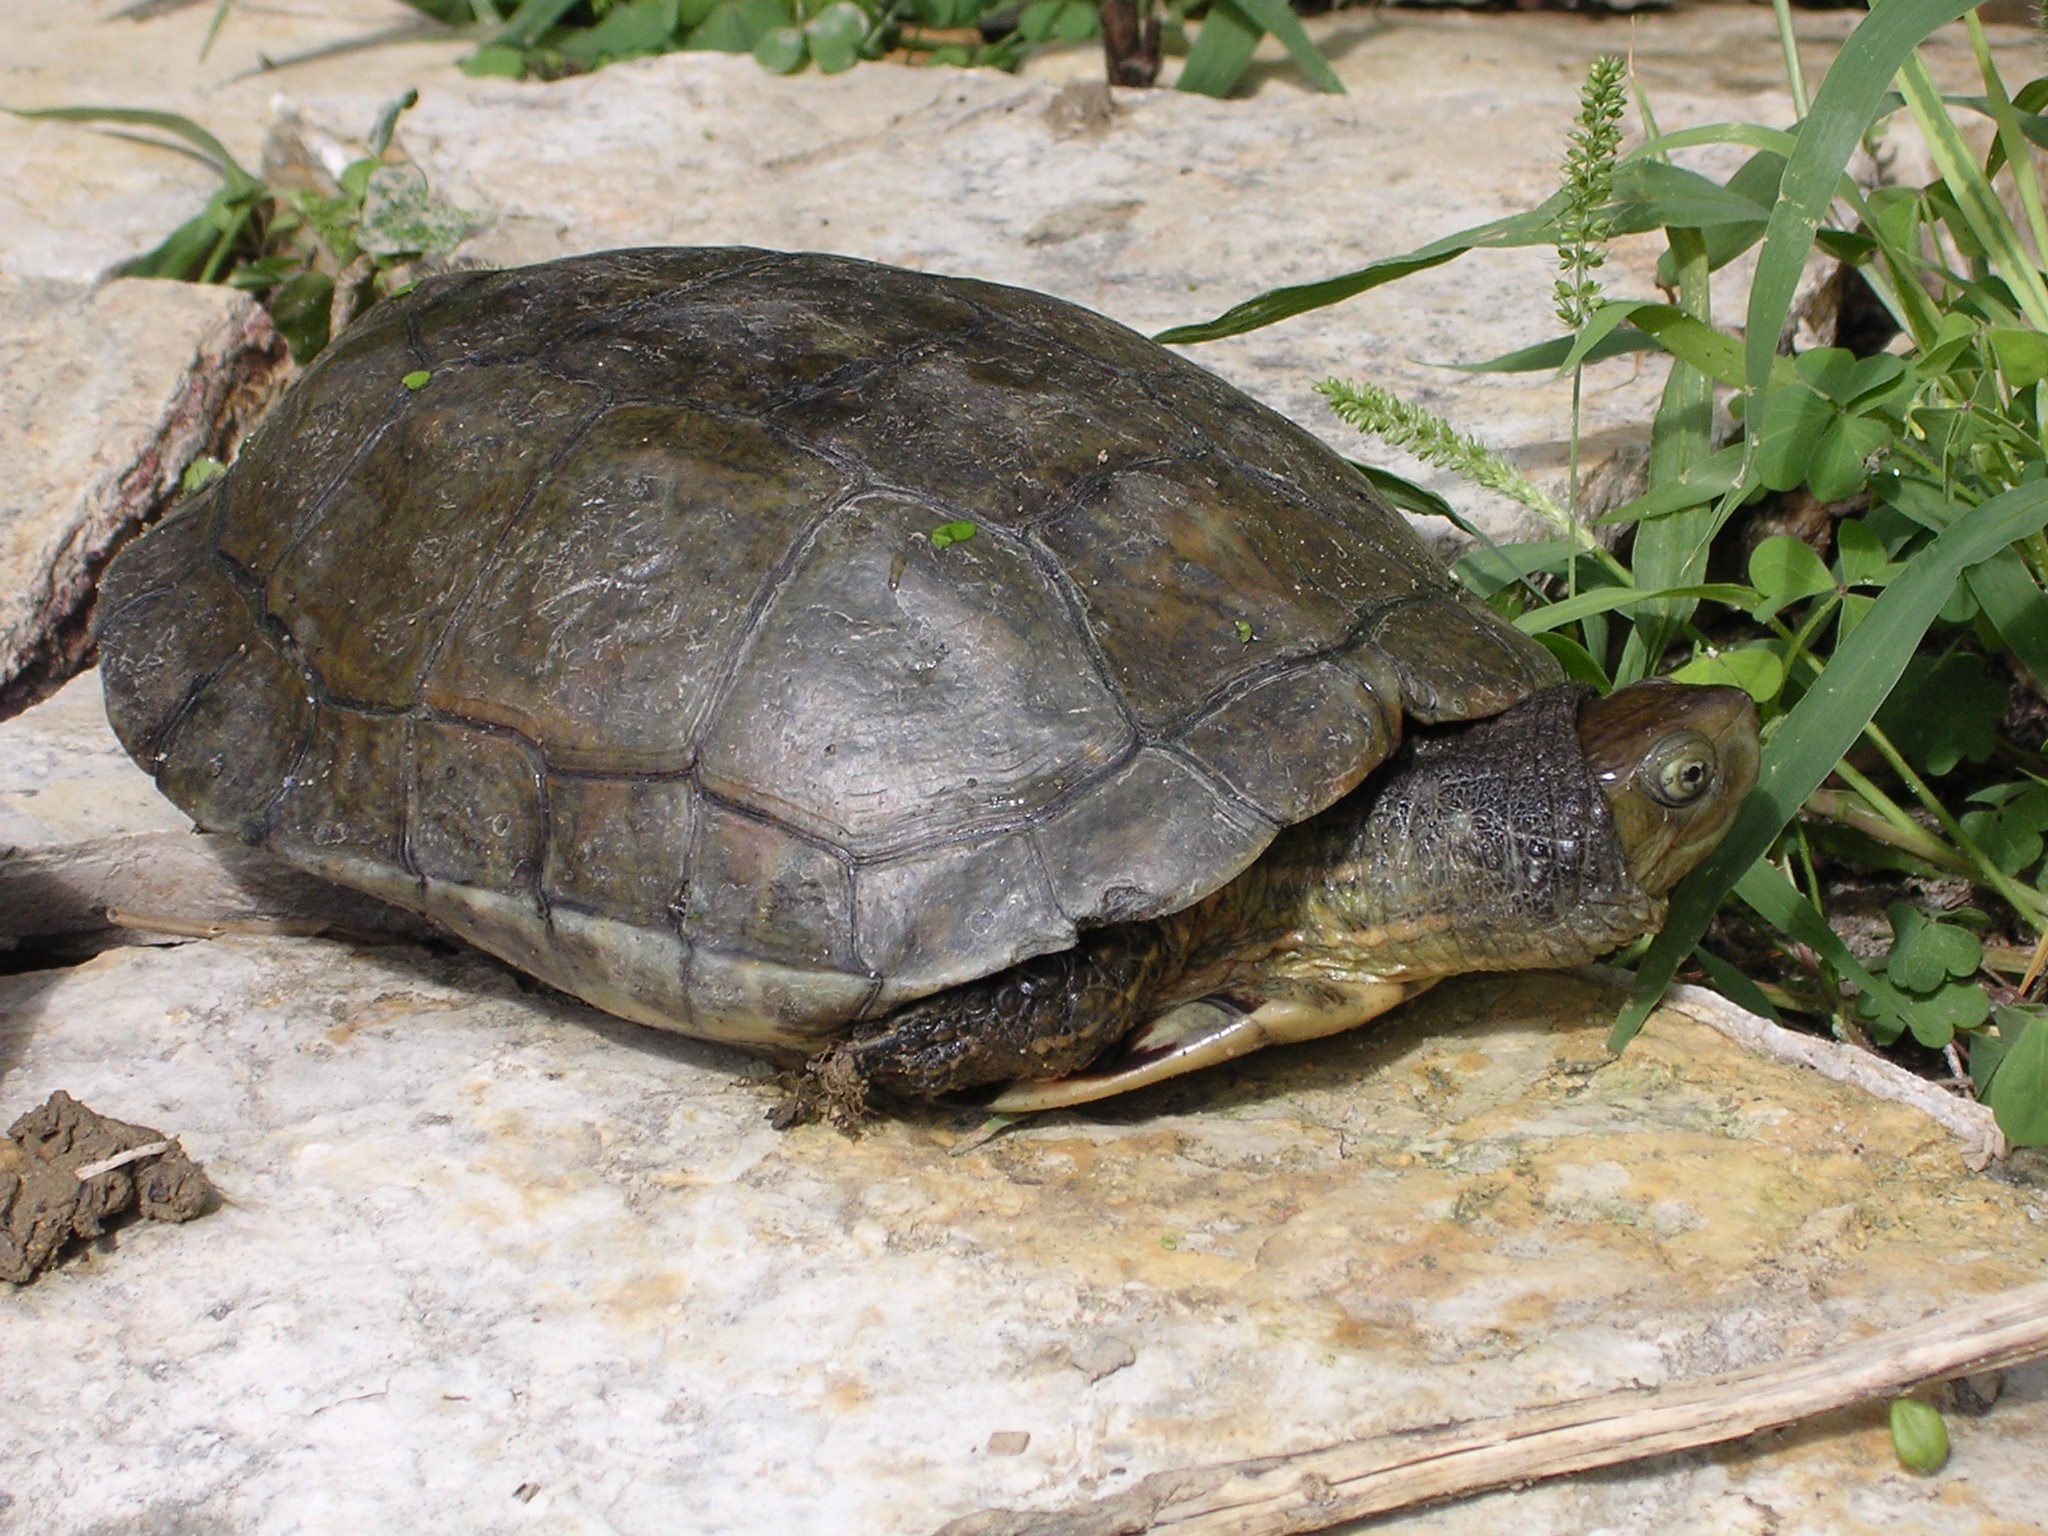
(106, 394)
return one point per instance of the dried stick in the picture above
(1314, 1490)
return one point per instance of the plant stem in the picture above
(2027, 902)
(1795, 77)
(2018, 157)
(1857, 812)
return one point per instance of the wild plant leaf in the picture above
(1787, 433)
(2017, 608)
(2011, 829)
(1535, 227)
(1036, 21)
(781, 50)
(1785, 570)
(1827, 719)
(1405, 495)
(1713, 352)
(1927, 955)
(1549, 356)
(1935, 1018)
(1758, 670)
(1982, 215)
(1490, 567)
(1697, 486)
(1873, 382)
(736, 25)
(1277, 17)
(634, 27)
(1765, 890)
(301, 308)
(1733, 985)
(2018, 1090)
(1861, 557)
(1655, 194)
(1755, 136)
(215, 153)
(1849, 97)
(525, 26)
(948, 534)
(835, 35)
(2022, 355)
(1757, 181)
(1944, 711)
(1578, 663)
(1841, 459)
(495, 61)
(182, 254)
(401, 218)
(1625, 599)
(1218, 56)
(1671, 550)
(1077, 22)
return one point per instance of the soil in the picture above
(68, 1174)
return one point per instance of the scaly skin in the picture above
(1530, 840)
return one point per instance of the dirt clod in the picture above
(68, 1174)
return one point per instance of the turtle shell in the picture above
(749, 643)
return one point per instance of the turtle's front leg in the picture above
(1046, 1017)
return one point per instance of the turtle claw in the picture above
(1204, 1032)
(1196, 1034)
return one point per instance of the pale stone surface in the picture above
(476, 1240)
(490, 1261)
(479, 1239)
(64, 778)
(1168, 211)
(106, 394)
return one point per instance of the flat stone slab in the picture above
(488, 1260)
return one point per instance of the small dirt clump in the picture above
(68, 1174)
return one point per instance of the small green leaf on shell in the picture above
(201, 472)
(1244, 633)
(952, 533)
(1918, 1435)
(417, 379)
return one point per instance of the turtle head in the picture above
(1674, 762)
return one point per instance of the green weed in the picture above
(1887, 654)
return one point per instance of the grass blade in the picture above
(1826, 722)
(1278, 18)
(1855, 87)
(1549, 356)
(1277, 304)
(1220, 51)
(1671, 551)
(1981, 209)
(211, 149)
(1607, 599)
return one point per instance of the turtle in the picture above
(926, 683)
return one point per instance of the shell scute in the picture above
(473, 808)
(603, 629)
(896, 694)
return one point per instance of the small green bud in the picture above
(1918, 1435)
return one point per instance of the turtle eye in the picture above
(1679, 770)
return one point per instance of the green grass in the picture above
(1882, 661)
